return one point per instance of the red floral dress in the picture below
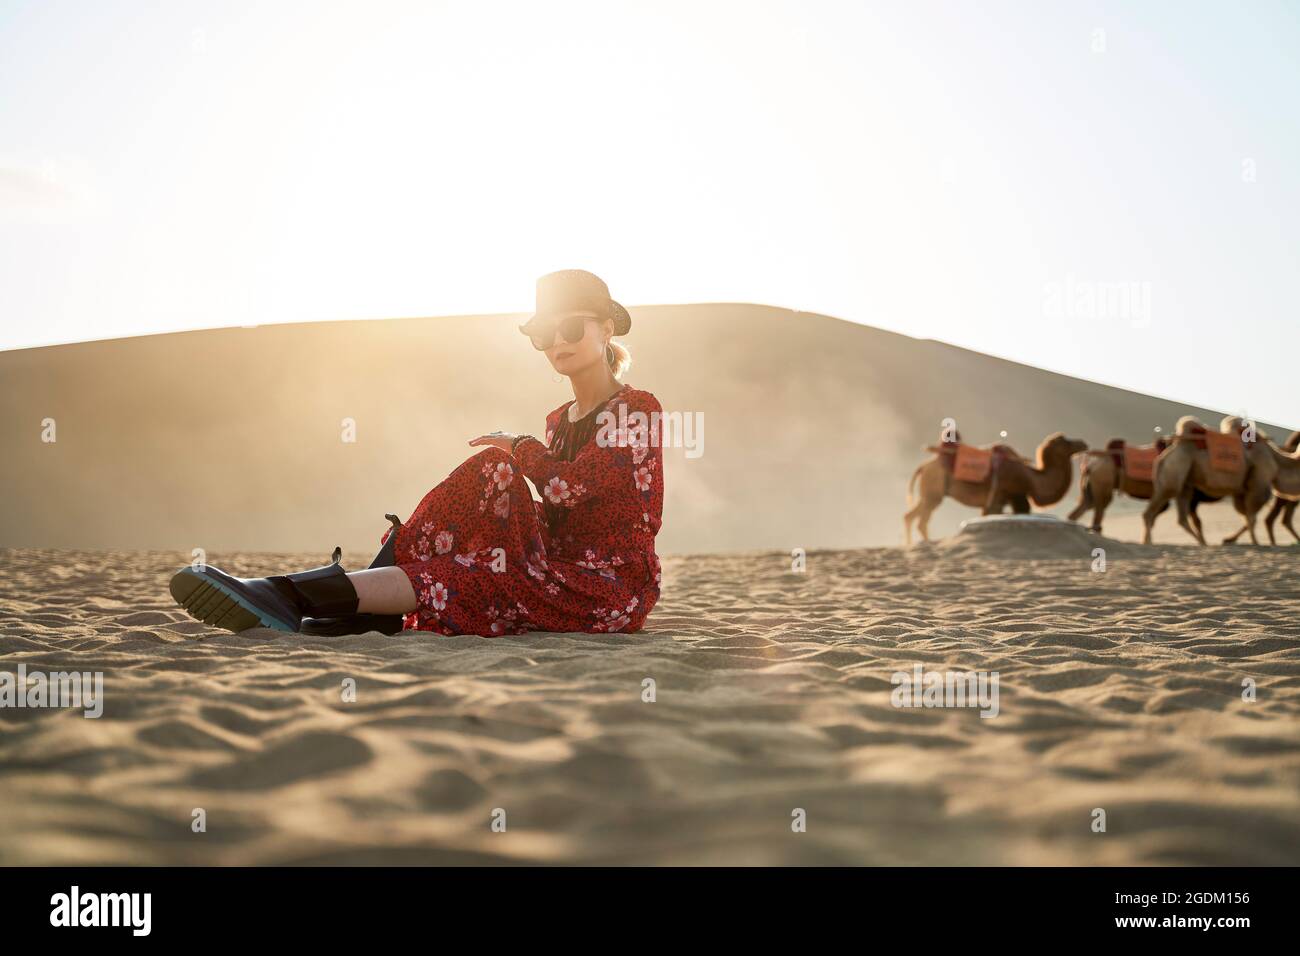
(485, 558)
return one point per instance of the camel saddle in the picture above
(1225, 449)
(1226, 452)
(968, 463)
(1140, 461)
(1136, 462)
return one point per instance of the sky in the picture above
(1106, 190)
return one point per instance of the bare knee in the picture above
(383, 591)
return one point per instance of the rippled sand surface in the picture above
(1120, 690)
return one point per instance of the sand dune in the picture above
(1120, 690)
(231, 439)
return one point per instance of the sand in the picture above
(1119, 690)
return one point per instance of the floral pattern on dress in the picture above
(483, 558)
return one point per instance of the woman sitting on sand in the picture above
(479, 555)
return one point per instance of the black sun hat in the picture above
(575, 292)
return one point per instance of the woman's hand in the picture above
(502, 440)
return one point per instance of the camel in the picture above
(1011, 480)
(1282, 505)
(1101, 476)
(1184, 468)
(1286, 488)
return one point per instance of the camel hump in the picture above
(1115, 444)
(1092, 458)
(1232, 424)
(1190, 425)
(1292, 441)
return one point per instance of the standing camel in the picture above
(1185, 467)
(1102, 474)
(1281, 505)
(1286, 488)
(1010, 480)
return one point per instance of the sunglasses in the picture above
(571, 328)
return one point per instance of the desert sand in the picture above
(1119, 690)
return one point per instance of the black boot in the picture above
(280, 602)
(358, 623)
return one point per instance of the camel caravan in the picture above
(990, 478)
(1192, 467)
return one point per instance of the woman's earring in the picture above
(609, 354)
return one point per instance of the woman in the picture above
(479, 555)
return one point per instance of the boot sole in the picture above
(209, 602)
(388, 624)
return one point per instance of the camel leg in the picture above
(1254, 505)
(921, 514)
(1249, 504)
(1232, 538)
(1102, 502)
(1084, 505)
(1167, 484)
(1020, 505)
(927, 501)
(1097, 517)
(1250, 523)
(1196, 518)
(929, 495)
(1288, 512)
(1184, 508)
(1244, 504)
(1271, 518)
(924, 524)
(995, 502)
(1158, 503)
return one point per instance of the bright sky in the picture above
(990, 174)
